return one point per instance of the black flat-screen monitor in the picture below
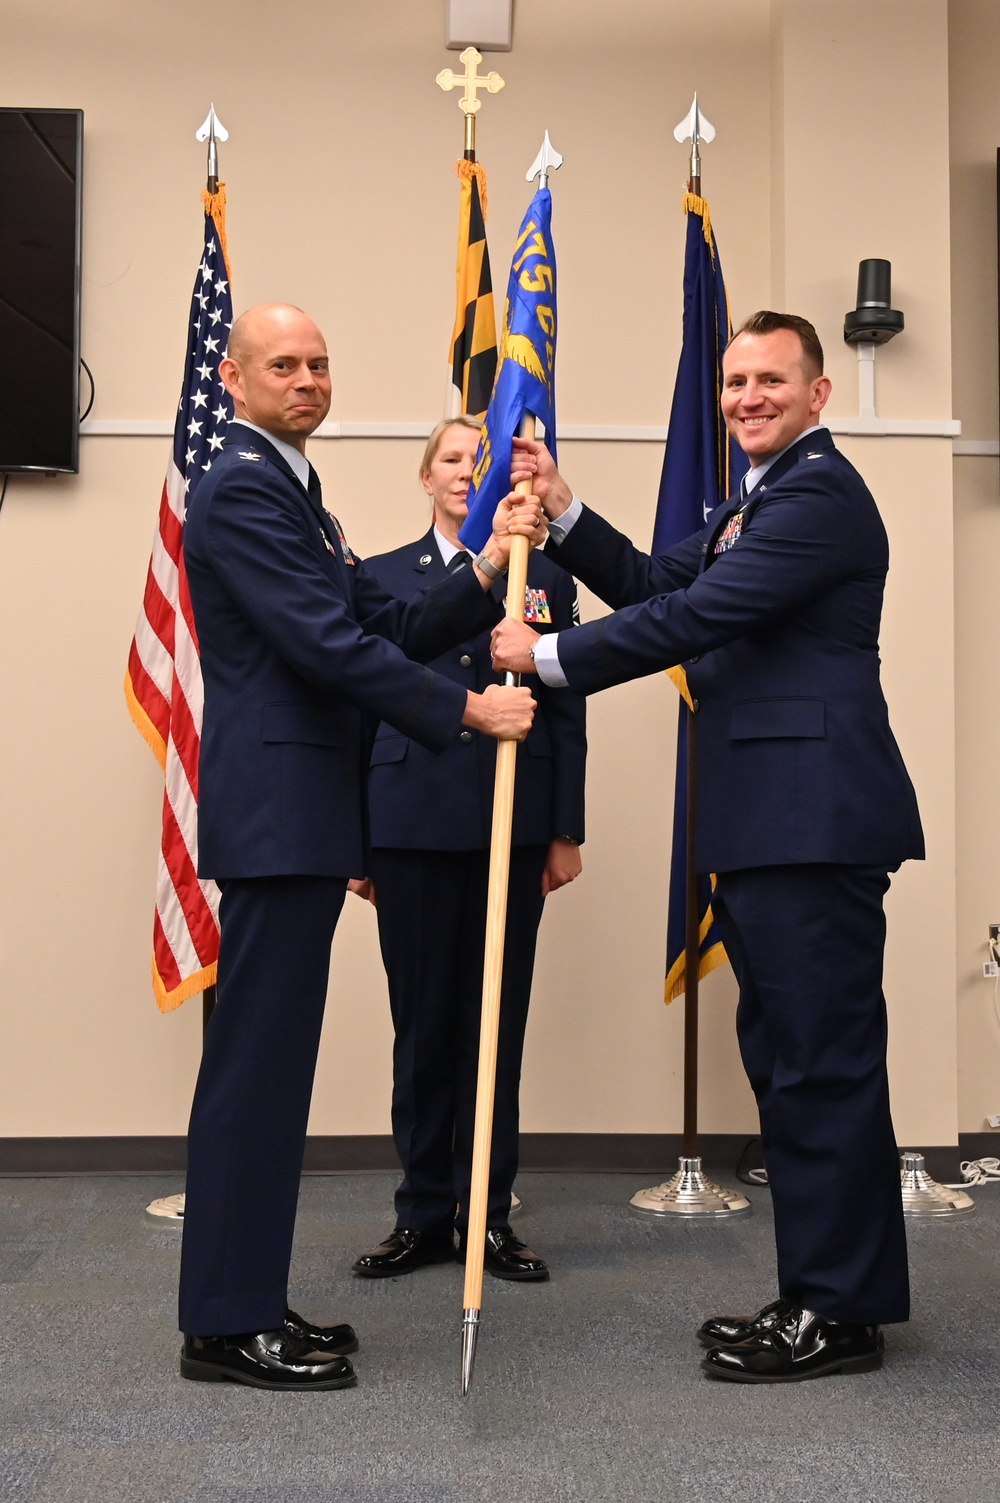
(41, 154)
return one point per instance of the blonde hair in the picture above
(463, 420)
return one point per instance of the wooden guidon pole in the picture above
(496, 923)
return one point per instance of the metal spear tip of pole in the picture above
(212, 130)
(695, 127)
(470, 1335)
(547, 160)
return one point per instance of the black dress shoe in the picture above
(727, 1330)
(800, 1344)
(404, 1251)
(336, 1339)
(506, 1257)
(267, 1359)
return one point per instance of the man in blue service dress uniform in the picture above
(298, 644)
(431, 818)
(804, 808)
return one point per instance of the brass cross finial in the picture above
(470, 102)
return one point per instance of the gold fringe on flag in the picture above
(215, 206)
(466, 171)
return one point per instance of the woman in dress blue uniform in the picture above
(431, 817)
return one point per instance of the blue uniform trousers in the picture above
(806, 944)
(432, 919)
(251, 1105)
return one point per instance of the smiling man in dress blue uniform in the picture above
(298, 644)
(804, 809)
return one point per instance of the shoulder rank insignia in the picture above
(250, 454)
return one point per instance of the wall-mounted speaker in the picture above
(486, 24)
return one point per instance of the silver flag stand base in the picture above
(923, 1196)
(689, 1193)
(168, 1208)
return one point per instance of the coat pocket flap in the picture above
(306, 724)
(389, 749)
(760, 719)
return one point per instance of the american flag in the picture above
(163, 686)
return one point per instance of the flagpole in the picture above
(211, 131)
(688, 1192)
(474, 333)
(171, 1207)
(496, 921)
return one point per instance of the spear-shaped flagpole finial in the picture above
(548, 159)
(212, 130)
(695, 127)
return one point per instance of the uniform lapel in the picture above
(427, 559)
(820, 442)
(719, 518)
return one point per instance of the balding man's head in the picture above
(277, 371)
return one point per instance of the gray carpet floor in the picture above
(587, 1389)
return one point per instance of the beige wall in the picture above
(974, 27)
(342, 198)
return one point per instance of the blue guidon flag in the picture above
(525, 379)
(701, 467)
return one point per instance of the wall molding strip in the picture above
(608, 433)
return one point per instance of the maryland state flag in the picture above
(525, 378)
(474, 340)
(701, 467)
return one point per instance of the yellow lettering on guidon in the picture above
(486, 459)
(538, 280)
(537, 247)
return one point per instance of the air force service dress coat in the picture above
(298, 645)
(431, 818)
(804, 806)
(779, 635)
(443, 800)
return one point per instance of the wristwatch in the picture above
(489, 569)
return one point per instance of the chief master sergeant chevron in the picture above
(804, 808)
(298, 642)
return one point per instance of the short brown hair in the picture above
(463, 420)
(766, 322)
